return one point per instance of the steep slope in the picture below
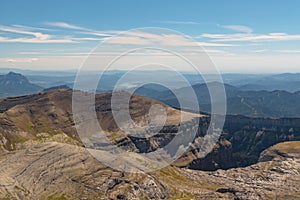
(13, 84)
(250, 136)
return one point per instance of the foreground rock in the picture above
(53, 170)
(61, 171)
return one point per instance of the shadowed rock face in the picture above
(250, 136)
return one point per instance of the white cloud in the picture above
(82, 29)
(238, 28)
(251, 37)
(86, 39)
(65, 25)
(168, 40)
(34, 40)
(118, 52)
(211, 44)
(21, 60)
(37, 37)
(100, 33)
(288, 51)
(259, 50)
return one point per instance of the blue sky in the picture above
(239, 36)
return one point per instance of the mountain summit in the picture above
(14, 84)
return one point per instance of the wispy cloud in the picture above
(82, 30)
(238, 28)
(36, 37)
(65, 25)
(171, 40)
(259, 50)
(21, 60)
(144, 52)
(251, 37)
(288, 51)
(212, 44)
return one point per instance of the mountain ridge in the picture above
(276, 104)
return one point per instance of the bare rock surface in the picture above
(54, 170)
(277, 178)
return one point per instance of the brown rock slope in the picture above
(61, 171)
(41, 116)
(47, 116)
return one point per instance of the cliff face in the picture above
(219, 158)
(241, 143)
(250, 136)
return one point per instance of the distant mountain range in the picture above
(262, 103)
(254, 82)
(288, 81)
(250, 95)
(13, 84)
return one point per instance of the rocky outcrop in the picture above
(55, 170)
(276, 178)
(60, 171)
(282, 150)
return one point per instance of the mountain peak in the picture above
(11, 73)
(14, 84)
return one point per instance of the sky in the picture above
(239, 36)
